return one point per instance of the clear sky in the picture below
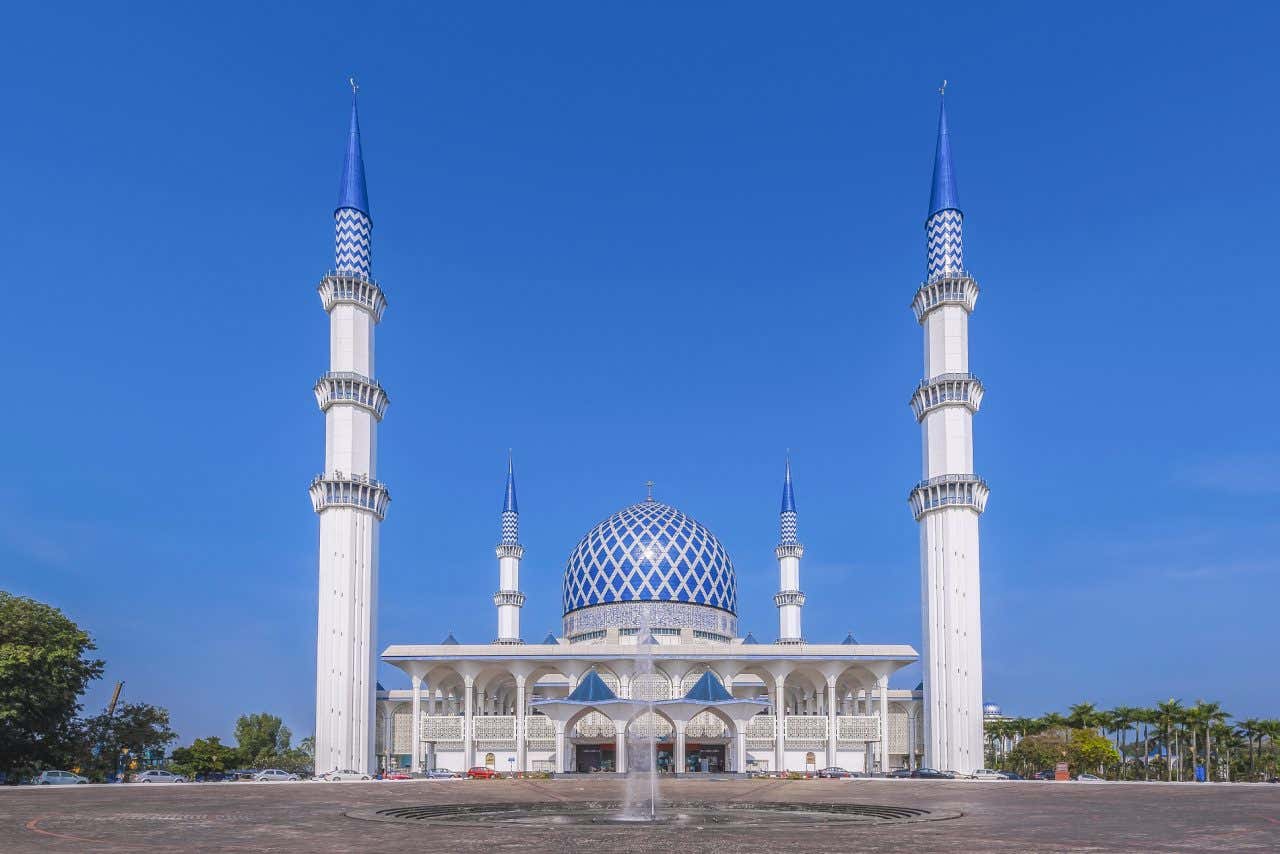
(645, 242)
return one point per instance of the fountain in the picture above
(641, 802)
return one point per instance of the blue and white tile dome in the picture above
(650, 552)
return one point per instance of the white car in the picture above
(988, 774)
(1089, 778)
(273, 775)
(156, 775)
(345, 775)
(58, 778)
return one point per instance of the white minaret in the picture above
(948, 501)
(790, 600)
(349, 500)
(509, 599)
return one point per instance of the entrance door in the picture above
(595, 757)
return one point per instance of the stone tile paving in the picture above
(1027, 816)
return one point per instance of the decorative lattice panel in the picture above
(649, 724)
(594, 725)
(760, 732)
(806, 732)
(856, 729)
(402, 731)
(705, 725)
(650, 686)
(494, 732)
(444, 730)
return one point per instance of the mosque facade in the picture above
(650, 647)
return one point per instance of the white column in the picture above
(681, 767)
(911, 740)
(882, 686)
(560, 747)
(468, 722)
(620, 747)
(415, 762)
(780, 722)
(521, 743)
(831, 720)
(740, 746)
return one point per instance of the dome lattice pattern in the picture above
(650, 552)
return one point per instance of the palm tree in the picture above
(1053, 720)
(1169, 716)
(1122, 719)
(1084, 716)
(1248, 729)
(1211, 716)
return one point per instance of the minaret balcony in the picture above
(788, 597)
(352, 388)
(789, 550)
(947, 390)
(508, 550)
(953, 287)
(356, 490)
(508, 597)
(949, 490)
(345, 286)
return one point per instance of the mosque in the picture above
(650, 645)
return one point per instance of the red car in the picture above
(480, 772)
(397, 775)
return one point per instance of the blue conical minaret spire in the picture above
(353, 225)
(944, 195)
(510, 509)
(788, 516)
(943, 225)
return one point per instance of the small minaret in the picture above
(790, 600)
(949, 499)
(347, 496)
(509, 599)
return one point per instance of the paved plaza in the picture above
(314, 817)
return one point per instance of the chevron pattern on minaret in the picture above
(946, 243)
(352, 242)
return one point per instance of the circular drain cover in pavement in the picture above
(669, 812)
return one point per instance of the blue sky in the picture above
(637, 243)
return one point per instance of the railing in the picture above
(945, 390)
(949, 490)
(346, 286)
(949, 288)
(339, 490)
(348, 387)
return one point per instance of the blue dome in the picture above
(650, 552)
(990, 709)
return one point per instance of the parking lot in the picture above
(1003, 816)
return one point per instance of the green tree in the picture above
(1169, 718)
(204, 756)
(261, 737)
(1250, 730)
(1038, 752)
(1091, 752)
(138, 727)
(44, 668)
(1084, 716)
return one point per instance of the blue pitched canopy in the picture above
(944, 195)
(708, 689)
(352, 192)
(450, 641)
(750, 639)
(550, 638)
(849, 640)
(592, 690)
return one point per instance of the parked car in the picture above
(397, 775)
(158, 775)
(1012, 775)
(443, 774)
(1044, 775)
(1089, 778)
(900, 773)
(930, 774)
(989, 774)
(480, 772)
(343, 776)
(273, 775)
(58, 778)
(834, 773)
(958, 775)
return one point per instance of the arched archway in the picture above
(650, 741)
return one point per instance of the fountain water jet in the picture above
(642, 789)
